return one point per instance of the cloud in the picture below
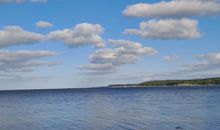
(99, 68)
(208, 65)
(174, 8)
(108, 60)
(171, 58)
(21, 1)
(131, 48)
(15, 35)
(44, 24)
(24, 60)
(81, 34)
(212, 57)
(209, 61)
(166, 29)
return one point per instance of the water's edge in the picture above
(118, 87)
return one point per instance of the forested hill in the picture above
(191, 82)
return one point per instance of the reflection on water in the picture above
(114, 109)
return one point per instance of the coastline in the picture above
(174, 82)
(190, 83)
(174, 86)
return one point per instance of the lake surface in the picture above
(111, 109)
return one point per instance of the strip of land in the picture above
(190, 82)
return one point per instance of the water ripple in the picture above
(112, 109)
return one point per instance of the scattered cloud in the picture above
(213, 57)
(173, 8)
(21, 1)
(15, 35)
(209, 61)
(99, 68)
(107, 60)
(166, 29)
(43, 24)
(178, 75)
(81, 34)
(208, 65)
(15, 61)
(171, 58)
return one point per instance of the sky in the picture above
(83, 43)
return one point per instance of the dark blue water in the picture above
(111, 109)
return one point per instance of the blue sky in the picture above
(173, 43)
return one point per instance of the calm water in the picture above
(111, 109)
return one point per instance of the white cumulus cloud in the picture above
(108, 60)
(23, 60)
(15, 35)
(173, 8)
(81, 34)
(166, 29)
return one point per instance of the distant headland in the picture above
(161, 83)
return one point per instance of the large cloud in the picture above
(24, 60)
(15, 35)
(81, 34)
(123, 52)
(175, 8)
(21, 1)
(166, 29)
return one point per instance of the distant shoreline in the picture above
(174, 86)
(192, 83)
(208, 82)
(118, 87)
